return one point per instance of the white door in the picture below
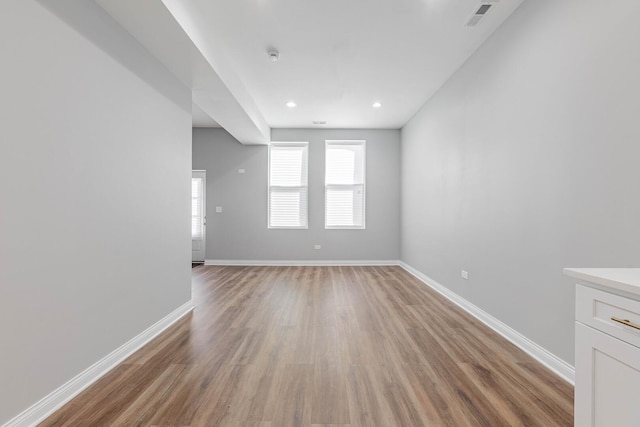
(198, 215)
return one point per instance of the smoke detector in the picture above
(274, 55)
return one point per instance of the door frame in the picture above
(203, 175)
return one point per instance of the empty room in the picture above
(340, 213)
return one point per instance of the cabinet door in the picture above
(607, 380)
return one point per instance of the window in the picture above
(288, 191)
(344, 184)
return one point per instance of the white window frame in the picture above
(304, 145)
(329, 143)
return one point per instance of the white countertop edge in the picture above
(623, 279)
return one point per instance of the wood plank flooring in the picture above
(322, 346)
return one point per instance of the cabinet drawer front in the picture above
(598, 309)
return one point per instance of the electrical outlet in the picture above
(464, 275)
(317, 247)
(218, 209)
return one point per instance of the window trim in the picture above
(335, 142)
(301, 144)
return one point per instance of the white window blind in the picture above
(197, 232)
(288, 190)
(345, 184)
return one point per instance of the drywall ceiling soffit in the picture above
(225, 103)
(200, 119)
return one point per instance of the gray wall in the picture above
(240, 232)
(95, 161)
(526, 162)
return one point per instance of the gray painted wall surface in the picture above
(240, 232)
(526, 162)
(95, 165)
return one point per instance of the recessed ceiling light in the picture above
(376, 105)
(291, 104)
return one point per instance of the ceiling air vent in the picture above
(480, 13)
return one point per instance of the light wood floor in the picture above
(323, 346)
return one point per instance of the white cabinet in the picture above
(607, 382)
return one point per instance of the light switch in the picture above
(218, 209)
(240, 170)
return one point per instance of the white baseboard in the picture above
(542, 355)
(56, 399)
(299, 263)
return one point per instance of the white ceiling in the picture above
(337, 57)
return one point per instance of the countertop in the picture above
(623, 279)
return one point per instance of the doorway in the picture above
(198, 215)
